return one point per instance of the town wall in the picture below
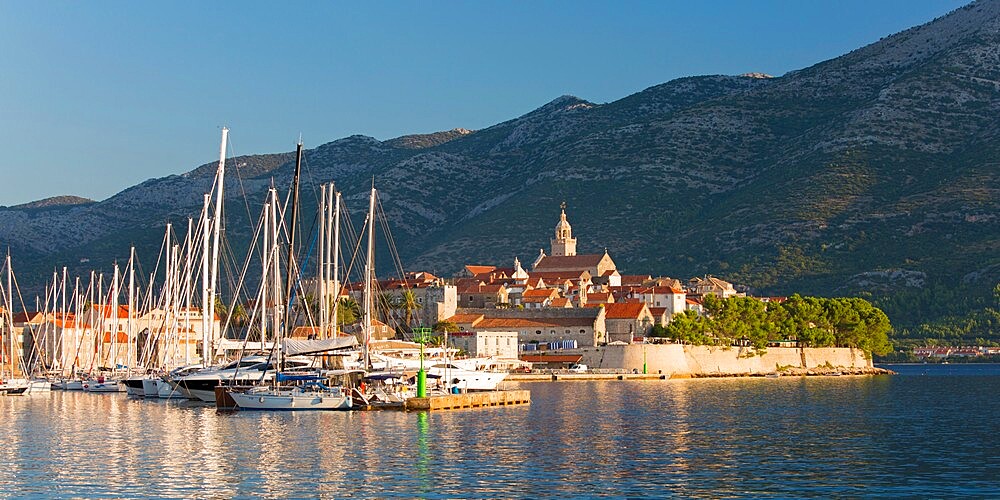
(685, 360)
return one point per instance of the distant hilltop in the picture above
(53, 202)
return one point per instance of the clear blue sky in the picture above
(97, 96)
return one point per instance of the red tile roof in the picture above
(535, 300)
(533, 323)
(621, 310)
(465, 319)
(474, 270)
(569, 261)
(635, 279)
(554, 277)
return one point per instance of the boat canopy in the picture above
(295, 347)
(295, 377)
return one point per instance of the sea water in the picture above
(930, 431)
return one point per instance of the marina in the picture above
(793, 437)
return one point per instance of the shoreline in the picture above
(791, 372)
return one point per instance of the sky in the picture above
(98, 96)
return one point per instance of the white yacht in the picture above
(454, 376)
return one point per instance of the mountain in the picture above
(874, 173)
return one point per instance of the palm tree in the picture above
(221, 309)
(408, 303)
(385, 303)
(445, 326)
(240, 316)
(348, 311)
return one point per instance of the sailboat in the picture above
(311, 393)
(10, 383)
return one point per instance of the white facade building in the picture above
(486, 343)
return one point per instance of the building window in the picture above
(538, 332)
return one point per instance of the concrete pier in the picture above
(469, 400)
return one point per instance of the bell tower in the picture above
(564, 244)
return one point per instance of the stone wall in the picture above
(686, 360)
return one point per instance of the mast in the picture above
(61, 344)
(10, 313)
(322, 259)
(291, 230)
(189, 245)
(369, 263)
(206, 299)
(131, 308)
(276, 270)
(49, 334)
(265, 261)
(77, 334)
(168, 284)
(114, 318)
(336, 259)
(220, 175)
(91, 322)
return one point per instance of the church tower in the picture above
(564, 244)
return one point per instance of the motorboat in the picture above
(464, 379)
(134, 386)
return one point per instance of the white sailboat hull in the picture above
(107, 386)
(293, 399)
(68, 385)
(39, 387)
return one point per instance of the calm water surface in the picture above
(930, 431)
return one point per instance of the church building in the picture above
(565, 260)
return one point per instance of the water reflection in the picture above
(935, 436)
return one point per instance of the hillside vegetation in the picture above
(873, 174)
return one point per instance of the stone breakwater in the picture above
(686, 361)
(799, 372)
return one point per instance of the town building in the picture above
(486, 343)
(584, 325)
(710, 285)
(626, 321)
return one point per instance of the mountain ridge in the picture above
(869, 173)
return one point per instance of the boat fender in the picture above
(261, 400)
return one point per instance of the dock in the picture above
(469, 400)
(546, 377)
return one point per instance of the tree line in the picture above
(812, 321)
